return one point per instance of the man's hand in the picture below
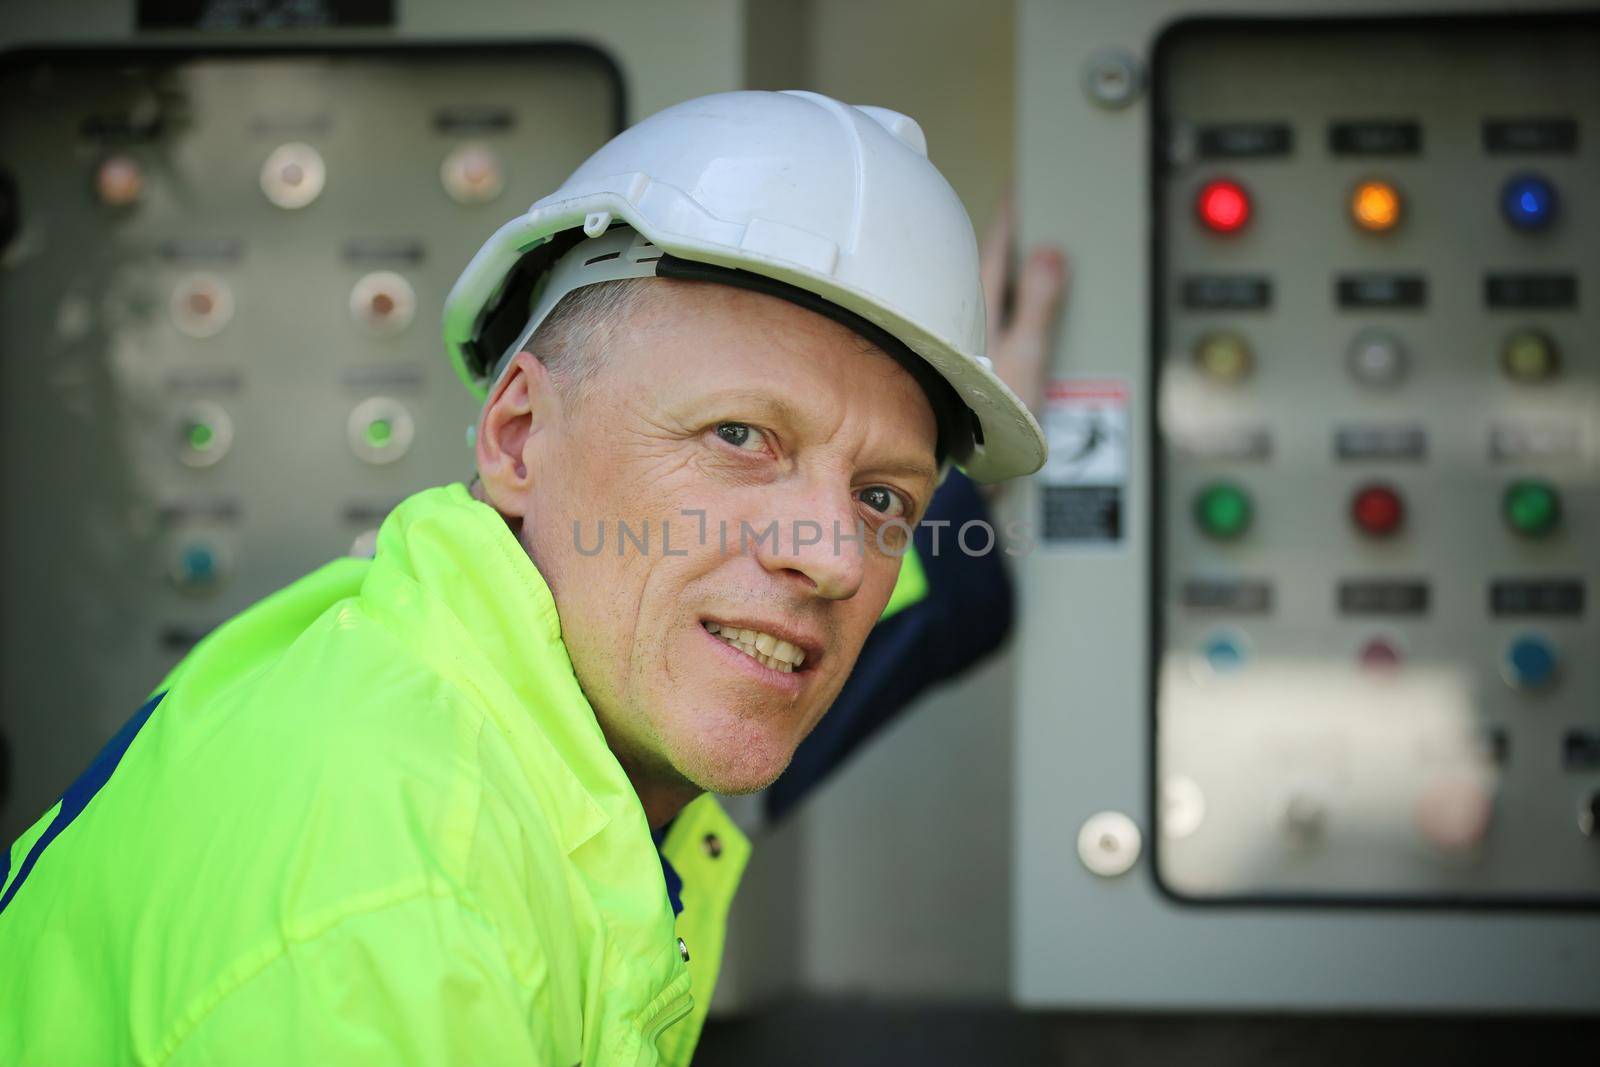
(1022, 305)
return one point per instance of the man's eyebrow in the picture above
(765, 402)
(910, 468)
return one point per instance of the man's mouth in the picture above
(765, 649)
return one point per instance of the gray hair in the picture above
(572, 341)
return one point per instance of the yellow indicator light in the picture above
(1375, 206)
(1529, 356)
(1223, 357)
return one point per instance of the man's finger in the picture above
(1039, 292)
(995, 260)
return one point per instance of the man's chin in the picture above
(732, 768)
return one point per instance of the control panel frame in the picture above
(1159, 133)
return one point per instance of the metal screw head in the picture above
(1589, 815)
(1109, 843)
(1113, 78)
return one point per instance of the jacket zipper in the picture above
(668, 1015)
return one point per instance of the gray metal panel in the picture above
(1083, 742)
(105, 499)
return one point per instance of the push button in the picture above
(1529, 202)
(1377, 510)
(1223, 357)
(1223, 206)
(1531, 508)
(1376, 358)
(1530, 663)
(1223, 511)
(1375, 206)
(1529, 356)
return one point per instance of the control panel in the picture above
(1308, 693)
(222, 279)
(1378, 463)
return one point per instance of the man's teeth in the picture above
(769, 651)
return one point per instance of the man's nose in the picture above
(820, 540)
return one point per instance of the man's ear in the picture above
(522, 404)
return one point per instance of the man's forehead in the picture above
(701, 343)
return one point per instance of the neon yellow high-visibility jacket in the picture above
(371, 820)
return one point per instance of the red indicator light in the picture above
(1223, 205)
(1379, 654)
(1377, 510)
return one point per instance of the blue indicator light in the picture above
(1530, 662)
(1224, 654)
(199, 565)
(1528, 202)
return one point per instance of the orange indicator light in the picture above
(1375, 206)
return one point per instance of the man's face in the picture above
(716, 413)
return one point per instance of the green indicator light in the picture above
(379, 433)
(1532, 509)
(201, 436)
(1223, 511)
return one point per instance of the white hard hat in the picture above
(791, 193)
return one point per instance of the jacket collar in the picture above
(452, 579)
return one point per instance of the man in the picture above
(402, 811)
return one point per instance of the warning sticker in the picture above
(1086, 477)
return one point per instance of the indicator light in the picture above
(383, 302)
(1379, 654)
(1529, 356)
(201, 436)
(1531, 508)
(1529, 202)
(1224, 653)
(472, 174)
(1375, 206)
(1377, 510)
(201, 305)
(119, 181)
(1376, 357)
(203, 433)
(1530, 663)
(1223, 205)
(199, 565)
(293, 175)
(1223, 357)
(1223, 511)
(380, 430)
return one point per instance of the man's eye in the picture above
(885, 501)
(741, 435)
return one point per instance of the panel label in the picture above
(1238, 596)
(1376, 137)
(1530, 290)
(262, 14)
(362, 250)
(1580, 750)
(1381, 291)
(1245, 140)
(1234, 443)
(1085, 479)
(1504, 137)
(1383, 596)
(1510, 442)
(1536, 596)
(1227, 292)
(1380, 442)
